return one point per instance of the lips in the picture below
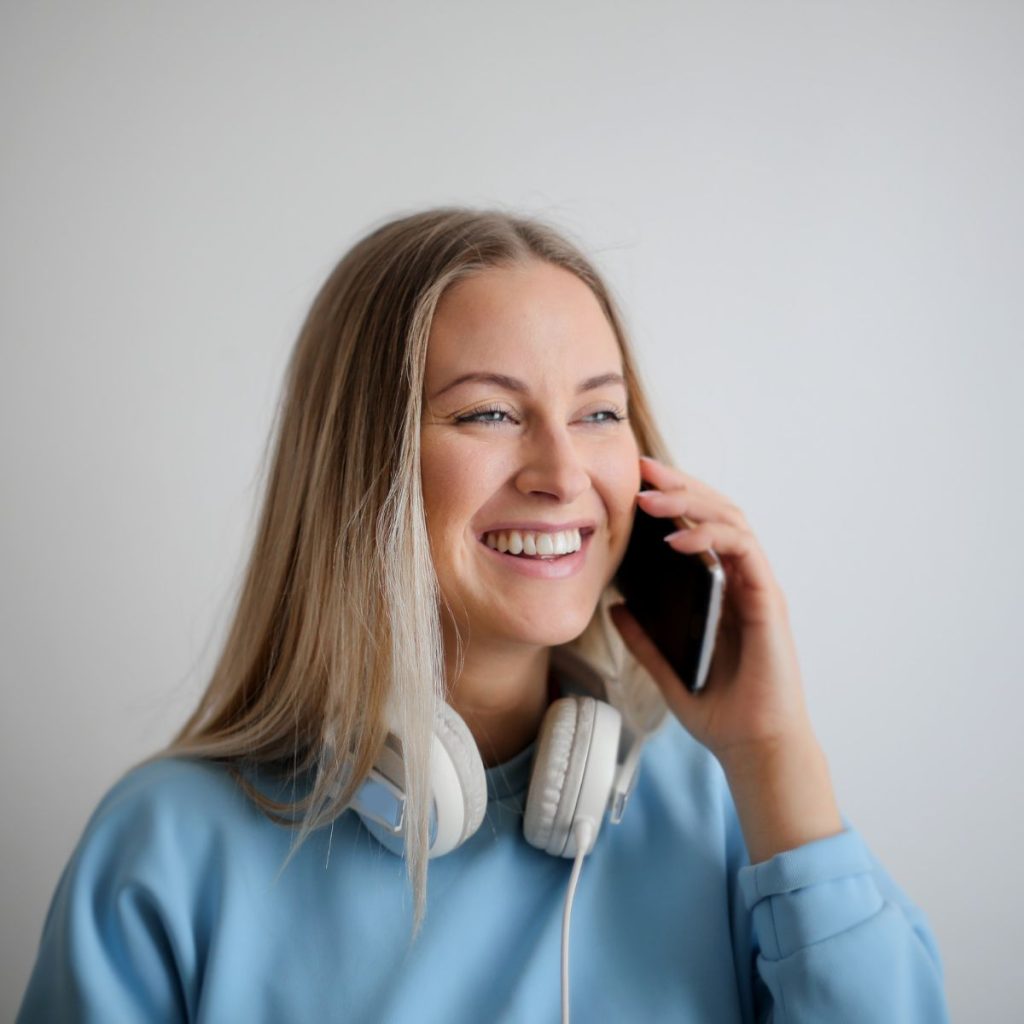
(559, 568)
(585, 526)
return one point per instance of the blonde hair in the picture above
(337, 627)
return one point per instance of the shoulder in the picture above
(166, 815)
(171, 789)
(135, 906)
(177, 781)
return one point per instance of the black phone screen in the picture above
(668, 592)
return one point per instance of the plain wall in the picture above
(811, 213)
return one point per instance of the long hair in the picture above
(337, 631)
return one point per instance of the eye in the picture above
(475, 417)
(479, 416)
(615, 415)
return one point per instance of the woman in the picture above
(461, 411)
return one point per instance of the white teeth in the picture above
(535, 544)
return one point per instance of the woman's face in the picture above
(532, 445)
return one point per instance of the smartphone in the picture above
(676, 597)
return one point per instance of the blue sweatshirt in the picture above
(174, 907)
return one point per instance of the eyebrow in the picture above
(502, 380)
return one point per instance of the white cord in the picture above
(583, 834)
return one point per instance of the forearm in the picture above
(783, 796)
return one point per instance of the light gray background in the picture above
(812, 215)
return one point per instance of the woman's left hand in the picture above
(751, 713)
(753, 699)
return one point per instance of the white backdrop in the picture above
(812, 215)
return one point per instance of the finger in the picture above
(666, 477)
(728, 542)
(697, 507)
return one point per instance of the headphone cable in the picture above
(583, 834)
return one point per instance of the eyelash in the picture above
(617, 416)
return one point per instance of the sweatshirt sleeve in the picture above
(837, 940)
(110, 948)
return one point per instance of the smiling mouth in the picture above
(536, 546)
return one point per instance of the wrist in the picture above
(783, 794)
(768, 753)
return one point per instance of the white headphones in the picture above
(585, 759)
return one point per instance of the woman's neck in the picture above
(502, 696)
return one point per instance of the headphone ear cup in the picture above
(458, 787)
(573, 772)
(460, 795)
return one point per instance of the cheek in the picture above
(455, 486)
(622, 482)
(442, 485)
(436, 478)
(620, 471)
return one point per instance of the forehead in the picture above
(534, 311)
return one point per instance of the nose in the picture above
(552, 464)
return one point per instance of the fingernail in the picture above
(678, 533)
